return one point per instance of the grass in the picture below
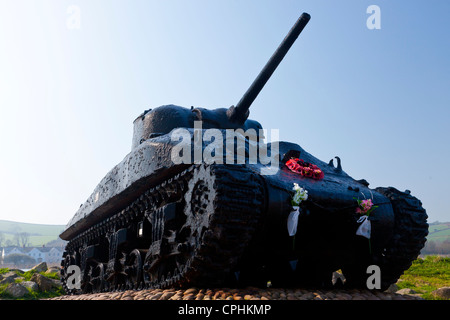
(32, 295)
(426, 275)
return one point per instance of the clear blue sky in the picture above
(379, 99)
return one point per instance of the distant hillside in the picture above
(38, 234)
(439, 231)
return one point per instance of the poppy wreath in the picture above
(305, 169)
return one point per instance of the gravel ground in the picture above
(249, 293)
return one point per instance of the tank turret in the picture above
(164, 119)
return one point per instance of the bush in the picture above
(19, 258)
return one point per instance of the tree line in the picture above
(20, 239)
(436, 247)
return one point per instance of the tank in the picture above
(202, 200)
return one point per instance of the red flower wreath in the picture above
(306, 169)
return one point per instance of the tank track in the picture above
(194, 228)
(410, 231)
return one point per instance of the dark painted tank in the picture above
(188, 207)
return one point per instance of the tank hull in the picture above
(153, 223)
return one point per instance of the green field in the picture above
(439, 231)
(38, 234)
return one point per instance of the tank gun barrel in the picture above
(240, 112)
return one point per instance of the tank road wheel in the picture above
(95, 277)
(115, 275)
(409, 236)
(133, 269)
(69, 260)
(222, 206)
